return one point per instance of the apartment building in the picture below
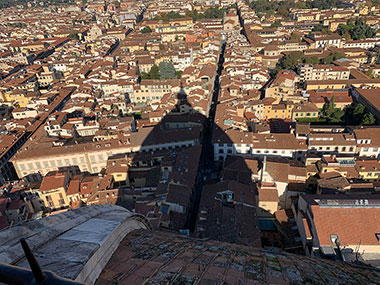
(53, 189)
(323, 72)
(326, 84)
(121, 88)
(277, 111)
(283, 87)
(342, 98)
(332, 143)
(325, 41)
(340, 227)
(368, 142)
(363, 43)
(284, 175)
(46, 77)
(92, 156)
(369, 169)
(253, 144)
(305, 110)
(152, 91)
(301, 17)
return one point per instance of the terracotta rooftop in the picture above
(165, 258)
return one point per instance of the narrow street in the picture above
(206, 167)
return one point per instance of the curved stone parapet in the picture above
(76, 244)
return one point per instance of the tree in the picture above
(324, 4)
(332, 57)
(317, 28)
(291, 60)
(146, 30)
(166, 17)
(213, 13)
(368, 119)
(311, 60)
(179, 74)
(152, 74)
(189, 13)
(195, 15)
(357, 29)
(337, 114)
(359, 110)
(369, 73)
(329, 108)
(296, 37)
(276, 24)
(347, 36)
(276, 70)
(74, 36)
(167, 70)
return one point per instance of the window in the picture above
(67, 162)
(22, 166)
(100, 157)
(75, 161)
(365, 149)
(59, 162)
(49, 201)
(82, 160)
(351, 148)
(377, 235)
(30, 166)
(46, 164)
(38, 165)
(61, 200)
(52, 163)
(92, 158)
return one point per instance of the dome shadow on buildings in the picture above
(177, 155)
